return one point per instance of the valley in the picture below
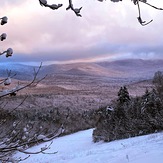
(84, 85)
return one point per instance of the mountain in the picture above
(23, 72)
(135, 67)
(89, 69)
(129, 68)
(133, 64)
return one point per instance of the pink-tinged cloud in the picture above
(105, 31)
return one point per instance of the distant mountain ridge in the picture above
(132, 63)
(119, 68)
(23, 72)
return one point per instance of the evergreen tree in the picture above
(158, 82)
(123, 95)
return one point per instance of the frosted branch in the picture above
(75, 10)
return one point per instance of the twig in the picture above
(143, 23)
(13, 91)
(53, 6)
(40, 151)
(3, 80)
(76, 10)
(151, 5)
(19, 104)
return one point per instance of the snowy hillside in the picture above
(79, 148)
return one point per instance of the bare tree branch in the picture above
(19, 87)
(143, 23)
(76, 10)
(6, 81)
(157, 8)
(40, 138)
(53, 6)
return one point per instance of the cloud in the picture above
(106, 30)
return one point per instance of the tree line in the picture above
(129, 117)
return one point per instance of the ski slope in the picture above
(79, 148)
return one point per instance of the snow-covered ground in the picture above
(79, 148)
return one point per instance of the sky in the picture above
(106, 31)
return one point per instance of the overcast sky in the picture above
(106, 31)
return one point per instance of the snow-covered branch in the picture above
(18, 87)
(8, 144)
(8, 52)
(78, 10)
(3, 36)
(4, 20)
(75, 10)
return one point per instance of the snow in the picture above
(79, 148)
